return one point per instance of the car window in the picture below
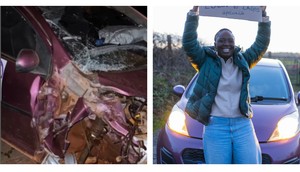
(99, 38)
(269, 82)
(17, 33)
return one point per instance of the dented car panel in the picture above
(86, 101)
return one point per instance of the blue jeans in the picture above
(230, 141)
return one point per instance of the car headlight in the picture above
(287, 127)
(176, 121)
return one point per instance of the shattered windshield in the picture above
(99, 38)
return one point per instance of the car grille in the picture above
(266, 159)
(295, 160)
(193, 156)
(166, 156)
(196, 156)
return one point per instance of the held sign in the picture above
(252, 13)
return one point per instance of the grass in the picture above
(170, 68)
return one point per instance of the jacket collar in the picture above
(210, 50)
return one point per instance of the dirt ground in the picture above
(11, 156)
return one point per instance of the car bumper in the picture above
(282, 152)
(173, 148)
(187, 150)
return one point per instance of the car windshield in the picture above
(268, 85)
(96, 43)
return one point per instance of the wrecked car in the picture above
(74, 83)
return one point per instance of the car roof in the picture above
(269, 62)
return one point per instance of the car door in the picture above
(19, 90)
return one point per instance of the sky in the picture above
(285, 26)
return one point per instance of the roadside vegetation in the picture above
(170, 67)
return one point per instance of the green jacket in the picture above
(207, 63)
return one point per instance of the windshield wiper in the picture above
(261, 98)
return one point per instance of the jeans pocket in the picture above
(211, 120)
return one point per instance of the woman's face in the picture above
(224, 44)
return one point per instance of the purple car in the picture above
(276, 120)
(74, 83)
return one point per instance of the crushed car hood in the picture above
(132, 82)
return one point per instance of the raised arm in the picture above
(189, 40)
(260, 46)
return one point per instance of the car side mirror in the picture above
(178, 90)
(27, 60)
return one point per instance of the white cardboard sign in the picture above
(252, 13)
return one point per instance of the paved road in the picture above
(11, 156)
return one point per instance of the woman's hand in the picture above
(195, 8)
(264, 13)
